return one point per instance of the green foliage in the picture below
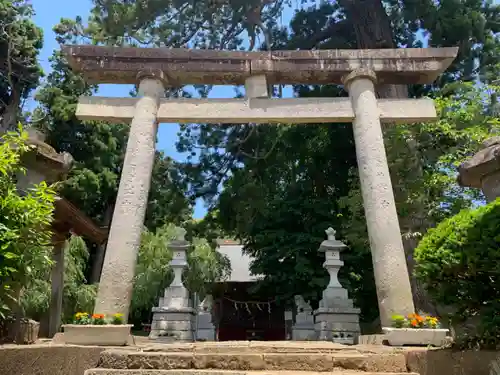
(98, 149)
(77, 294)
(25, 235)
(20, 44)
(458, 262)
(153, 272)
(84, 318)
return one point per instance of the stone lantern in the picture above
(173, 319)
(482, 171)
(336, 318)
(43, 163)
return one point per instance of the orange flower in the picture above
(419, 318)
(98, 316)
(414, 322)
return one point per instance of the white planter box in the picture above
(106, 335)
(415, 337)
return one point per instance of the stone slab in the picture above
(303, 334)
(171, 334)
(377, 339)
(101, 64)
(350, 360)
(219, 110)
(337, 326)
(219, 372)
(48, 359)
(172, 325)
(335, 310)
(205, 334)
(176, 316)
(338, 318)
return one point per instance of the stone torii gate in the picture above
(154, 69)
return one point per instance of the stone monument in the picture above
(336, 318)
(303, 329)
(173, 319)
(482, 170)
(153, 69)
(205, 330)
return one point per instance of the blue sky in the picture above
(49, 13)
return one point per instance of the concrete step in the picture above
(317, 362)
(102, 371)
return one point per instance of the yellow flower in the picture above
(118, 315)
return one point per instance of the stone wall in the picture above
(48, 360)
(74, 360)
(450, 362)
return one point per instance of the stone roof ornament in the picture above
(482, 170)
(181, 234)
(331, 243)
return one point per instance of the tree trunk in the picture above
(373, 30)
(11, 111)
(57, 287)
(18, 314)
(98, 262)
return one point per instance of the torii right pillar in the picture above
(389, 261)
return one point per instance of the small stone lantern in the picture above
(173, 319)
(336, 318)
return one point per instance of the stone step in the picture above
(317, 362)
(104, 371)
(259, 347)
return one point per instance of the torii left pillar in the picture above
(116, 285)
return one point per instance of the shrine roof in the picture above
(68, 217)
(100, 64)
(240, 262)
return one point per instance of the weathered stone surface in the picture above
(115, 286)
(48, 359)
(184, 66)
(415, 337)
(215, 372)
(482, 170)
(229, 361)
(451, 362)
(351, 360)
(299, 362)
(166, 361)
(257, 110)
(389, 260)
(371, 339)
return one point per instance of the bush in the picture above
(25, 236)
(459, 265)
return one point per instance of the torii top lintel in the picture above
(180, 66)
